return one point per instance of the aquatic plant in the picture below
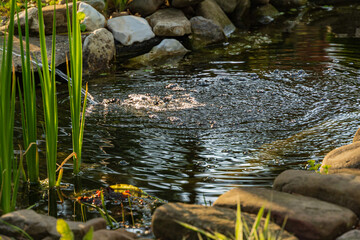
(7, 108)
(258, 231)
(28, 104)
(75, 83)
(48, 88)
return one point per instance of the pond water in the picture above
(266, 102)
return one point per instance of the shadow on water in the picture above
(267, 102)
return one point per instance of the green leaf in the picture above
(89, 234)
(63, 228)
(82, 27)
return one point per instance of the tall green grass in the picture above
(48, 88)
(75, 84)
(7, 109)
(28, 104)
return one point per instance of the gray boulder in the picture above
(347, 156)
(32, 22)
(167, 49)
(184, 3)
(211, 10)
(288, 4)
(264, 14)
(130, 29)
(98, 51)
(169, 22)
(211, 219)
(227, 6)
(93, 19)
(205, 32)
(119, 234)
(99, 5)
(62, 48)
(240, 12)
(144, 7)
(307, 218)
(41, 226)
(340, 189)
(351, 235)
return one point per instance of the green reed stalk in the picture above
(48, 88)
(28, 104)
(75, 84)
(7, 109)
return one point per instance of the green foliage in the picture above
(258, 231)
(8, 168)
(75, 84)
(313, 166)
(66, 234)
(48, 88)
(28, 104)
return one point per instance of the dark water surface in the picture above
(269, 102)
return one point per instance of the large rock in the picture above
(227, 6)
(33, 22)
(184, 3)
(264, 14)
(130, 29)
(340, 189)
(41, 226)
(120, 234)
(211, 10)
(205, 32)
(347, 156)
(168, 48)
(307, 218)
(240, 12)
(61, 18)
(62, 48)
(97, 4)
(93, 19)
(169, 22)
(357, 136)
(255, 3)
(288, 4)
(144, 7)
(351, 235)
(98, 51)
(211, 219)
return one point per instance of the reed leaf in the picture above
(75, 84)
(48, 88)
(7, 109)
(28, 104)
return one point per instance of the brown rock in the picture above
(211, 219)
(61, 19)
(340, 189)
(184, 3)
(119, 234)
(357, 136)
(144, 7)
(259, 2)
(307, 218)
(96, 223)
(347, 156)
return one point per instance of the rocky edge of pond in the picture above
(314, 206)
(144, 37)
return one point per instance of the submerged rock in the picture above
(211, 10)
(205, 32)
(98, 51)
(211, 219)
(347, 156)
(130, 29)
(169, 22)
(93, 19)
(163, 53)
(340, 189)
(307, 218)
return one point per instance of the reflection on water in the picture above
(262, 109)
